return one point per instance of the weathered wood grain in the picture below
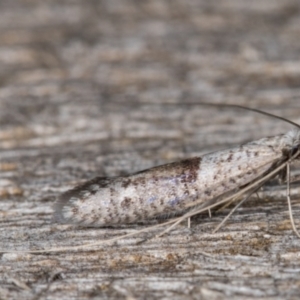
(69, 71)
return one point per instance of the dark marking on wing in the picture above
(126, 203)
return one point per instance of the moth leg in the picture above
(209, 213)
(189, 222)
(288, 196)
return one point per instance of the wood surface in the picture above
(82, 87)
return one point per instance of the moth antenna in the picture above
(172, 226)
(288, 196)
(226, 205)
(228, 106)
(249, 109)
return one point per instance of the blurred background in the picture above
(83, 85)
(72, 73)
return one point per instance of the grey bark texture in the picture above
(82, 92)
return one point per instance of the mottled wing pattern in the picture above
(167, 189)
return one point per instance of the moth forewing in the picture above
(173, 188)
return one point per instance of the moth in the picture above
(185, 187)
